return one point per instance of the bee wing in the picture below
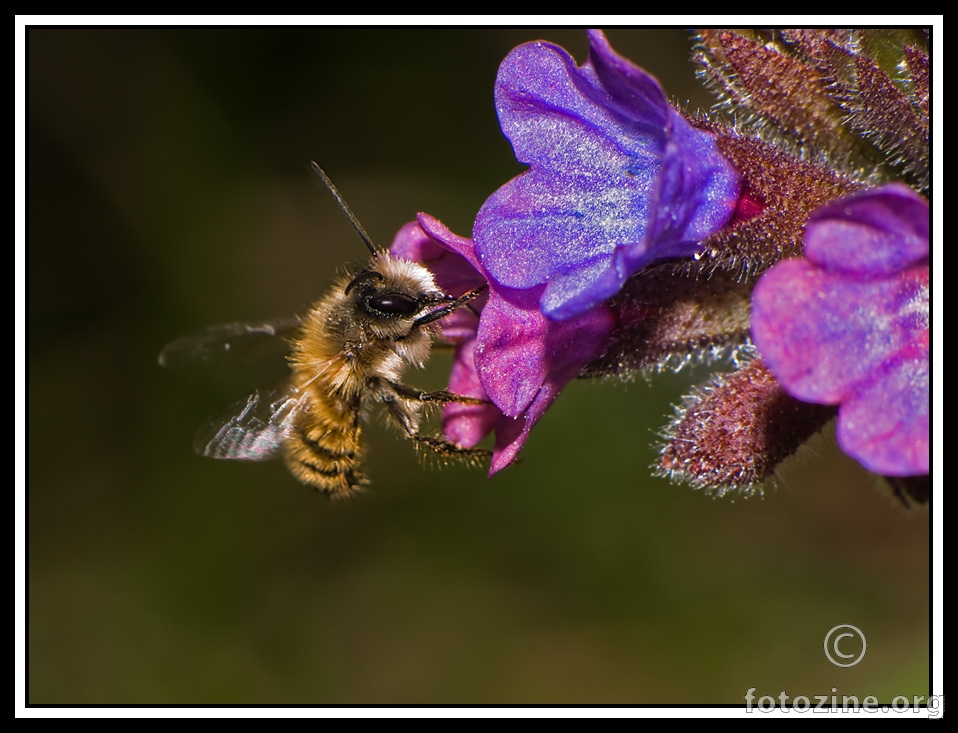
(254, 428)
(205, 349)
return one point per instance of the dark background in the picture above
(169, 189)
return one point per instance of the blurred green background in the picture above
(169, 189)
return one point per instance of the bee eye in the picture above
(393, 304)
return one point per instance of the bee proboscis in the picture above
(348, 352)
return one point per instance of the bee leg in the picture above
(442, 395)
(393, 399)
(452, 305)
(451, 450)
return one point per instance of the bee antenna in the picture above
(345, 208)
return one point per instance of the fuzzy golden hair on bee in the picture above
(347, 354)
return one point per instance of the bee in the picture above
(347, 353)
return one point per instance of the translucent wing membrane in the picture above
(226, 342)
(254, 428)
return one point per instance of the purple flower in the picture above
(848, 325)
(511, 355)
(618, 179)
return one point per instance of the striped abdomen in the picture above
(325, 448)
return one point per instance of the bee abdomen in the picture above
(327, 458)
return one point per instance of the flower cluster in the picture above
(638, 237)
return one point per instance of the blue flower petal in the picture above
(848, 325)
(875, 233)
(618, 179)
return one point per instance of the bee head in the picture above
(394, 295)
